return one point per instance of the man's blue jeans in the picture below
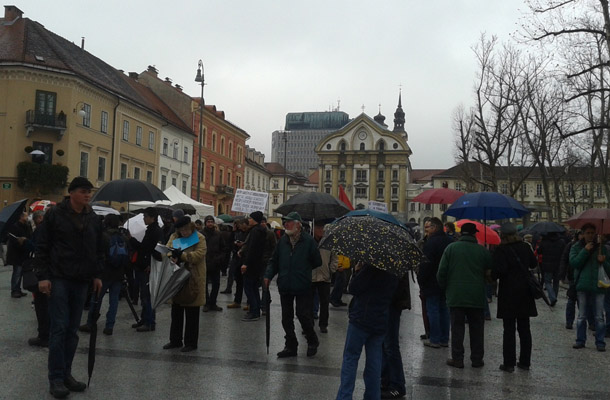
(597, 300)
(253, 295)
(355, 339)
(551, 284)
(148, 314)
(114, 289)
(393, 374)
(66, 304)
(16, 279)
(607, 310)
(438, 316)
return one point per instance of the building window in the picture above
(84, 164)
(380, 175)
(361, 175)
(395, 175)
(361, 146)
(149, 176)
(361, 192)
(412, 207)
(379, 192)
(381, 145)
(248, 177)
(201, 176)
(599, 191)
(327, 175)
(139, 135)
(213, 142)
(47, 149)
(136, 173)
(342, 146)
(176, 148)
(275, 199)
(45, 106)
(229, 176)
(524, 190)
(238, 182)
(394, 191)
(539, 190)
(174, 181)
(504, 188)
(221, 174)
(231, 150)
(165, 146)
(212, 175)
(394, 206)
(327, 190)
(570, 190)
(342, 175)
(184, 186)
(87, 117)
(151, 140)
(123, 171)
(126, 131)
(458, 186)
(101, 169)
(239, 154)
(585, 191)
(104, 127)
(186, 154)
(276, 184)
(222, 146)
(163, 182)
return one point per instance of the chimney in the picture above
(168, 80)
(178, 87)
(133, 75)
(82, 43)
(153, 70)
(12, 13)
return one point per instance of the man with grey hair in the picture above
(295, 256)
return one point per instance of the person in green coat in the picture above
(461, 274)
(586, 257)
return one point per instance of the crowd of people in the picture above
(77, 257)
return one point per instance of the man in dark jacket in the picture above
(69, 255)
(436, 304)
(372, 291)
(146, 251)
(214, 259)
(295, 256)
(18, 251)
(253, 264)
(550, 249)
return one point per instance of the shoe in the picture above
(108, 331)
(338, 304)
(601, 348)
(226, 291)
(145, 328)
(488, 318)
(312, 349)
(84, 328)
(455, 363)
(428, 343)
(523, 366)
(287, 353)
(215, 308)
(234, 305)
(607, 335)
(592, 327)
(323, 329)
(578, 346)
(73, 385)
(444, 344)
(187, 349)
(569, 326)
(58, 390)
(138, 324)
(315, 316)
(205, 308)
(246, 308)
(16, 295)
(477, 364)
(250, 317)
(423, 337)
(36, 341)
(506, 368)
(171, 345)
(553, 303)
(391, 394)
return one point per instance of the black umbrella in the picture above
(544, 228)
(166, 212)
(93, 336)
(9, 216)
(267, 304)
(314, 205)
(124, 190)
(187, 208)
(372, 240)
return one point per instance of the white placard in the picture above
(378, 206)
(248, 201)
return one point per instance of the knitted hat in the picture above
(184, 221)
(79, 182)
(178, 214)
(209, 218)
(257, 216)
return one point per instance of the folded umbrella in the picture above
(93, 336)
(166, 280)
(266, 301)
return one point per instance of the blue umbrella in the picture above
(486, 206)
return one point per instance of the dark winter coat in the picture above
(216, 251)
(372, 290)
(566, 272)
(112, 273)
(146, 248)
(293, 266)
(17, 253)
(550, 249)
(514, 298)
(254, 250)
(69, 245)
(433, 249)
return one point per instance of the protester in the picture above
(116, 258)
(69, 254)
(320, 276)
(586, 256)
(199, 225)
(566, 274)
(512, 260)
(461, 273)
(252, 265)
(18, 251)
(214, 258)
(145, 252)
(238, 238)
(450, 230)
(41, 301)
(550, 250)
(436, 305)
(372, 291)
(295, 256)
(185, 305)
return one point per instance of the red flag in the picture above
(343, 197)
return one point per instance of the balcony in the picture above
(225, 189)
(52, 122)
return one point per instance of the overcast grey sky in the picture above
(266, 58)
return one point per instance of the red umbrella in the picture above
(438, 196)
(485, 234)
(41, 205)
(600, 217)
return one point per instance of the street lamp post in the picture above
(200, 78)
(285, 154)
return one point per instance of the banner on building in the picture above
(378, 206)
(248, 201)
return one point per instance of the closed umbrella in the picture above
(166, 280)
(93, 337)
(9, 216)
(125, 190)
(438, 196)
(313, 205)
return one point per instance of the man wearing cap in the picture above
(213, 258)
(296, 256)
(252, 253)
(461, 274)
(69, 256)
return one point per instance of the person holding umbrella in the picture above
(185, 305)
(69, 255)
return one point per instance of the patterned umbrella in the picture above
(41, 205)
(383, 244)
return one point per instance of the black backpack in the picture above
(118, 255)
